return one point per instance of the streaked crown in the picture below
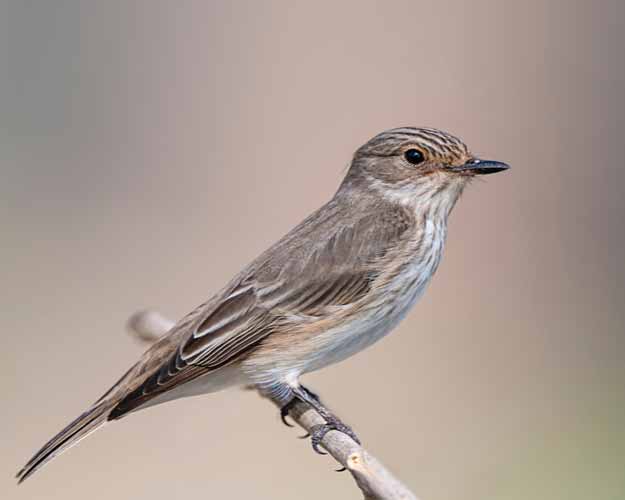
(436, 144)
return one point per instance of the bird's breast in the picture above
(391, 298)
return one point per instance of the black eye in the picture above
(414, 156)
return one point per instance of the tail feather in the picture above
(80, 428)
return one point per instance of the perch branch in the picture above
(374, 480)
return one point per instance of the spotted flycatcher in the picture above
(335, 284)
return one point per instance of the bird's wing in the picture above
(303, 275)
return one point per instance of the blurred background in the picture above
(150, 149)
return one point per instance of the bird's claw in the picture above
(318, 432)
(284, 412)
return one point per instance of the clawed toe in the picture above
(316, 435)
(284, 412)
(318, 432)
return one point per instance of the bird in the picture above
(335, 284)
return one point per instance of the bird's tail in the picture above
(80, 428)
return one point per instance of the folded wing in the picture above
(298, 278)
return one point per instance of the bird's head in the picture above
(417, 163)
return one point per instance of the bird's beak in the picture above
(481, 167)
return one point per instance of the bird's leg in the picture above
(333, 423)
(284, 411)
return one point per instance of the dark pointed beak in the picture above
(481, 167)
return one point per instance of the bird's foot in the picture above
(284, 411)
(318, 432)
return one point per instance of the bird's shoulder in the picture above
(338, 237)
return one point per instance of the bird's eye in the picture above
(414, 156)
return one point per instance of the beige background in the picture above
(150, 149)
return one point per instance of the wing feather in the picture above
(307, 273)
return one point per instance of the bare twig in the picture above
(148, 326)
(375, 481)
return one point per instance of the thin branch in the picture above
(374, 480)
(148, 326)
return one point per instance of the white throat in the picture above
(433, 196)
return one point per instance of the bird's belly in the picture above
(382, 314)
(352, 337)
(355, 329)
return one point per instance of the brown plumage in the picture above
(336, 283)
